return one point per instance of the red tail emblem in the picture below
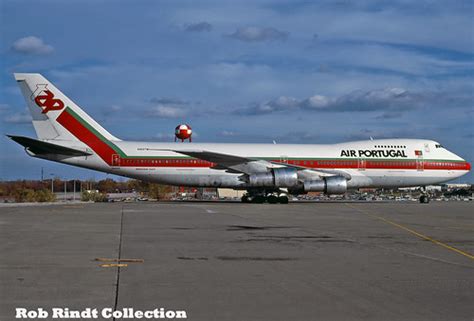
(46, 99)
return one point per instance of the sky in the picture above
(244, 71)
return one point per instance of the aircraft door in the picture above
(284, 159)
(420, 165)
(115, 160)
(361, 164)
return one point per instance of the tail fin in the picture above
(54, 115)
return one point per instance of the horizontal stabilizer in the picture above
(39, 147)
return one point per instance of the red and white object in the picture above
(183, 132)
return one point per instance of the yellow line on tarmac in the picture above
(103, 259)
(422, 236)
(113, 265)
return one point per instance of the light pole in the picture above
(74, 191)
(52, 183)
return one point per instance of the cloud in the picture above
(18, 118)
(469, 136)
(257, 34)
(228, 133)
(393, 101)
(114, 108)
(32, 45)
(305, 137)
(389, 115)
(282, 103)
(359, 100)
(383, 133)
(164, 137)
(110, 110)
(169, 101)
(4, 108)
(166, 107)
(198, 27)
(166, 112)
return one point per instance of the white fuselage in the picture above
(372, 163)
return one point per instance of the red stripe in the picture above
(329, 164)
(86, 136)
(381, 164)
(164, 162)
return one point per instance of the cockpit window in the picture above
(439, 146)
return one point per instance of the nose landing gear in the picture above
(424, 199)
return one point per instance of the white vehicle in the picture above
(269, 172)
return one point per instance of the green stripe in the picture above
(112, 145)
(95, 132)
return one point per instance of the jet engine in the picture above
(288, 177)
(277, 177)
(328, 185)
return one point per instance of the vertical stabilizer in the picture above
(54, 115)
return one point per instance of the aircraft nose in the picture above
(468, 166)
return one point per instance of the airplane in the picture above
(268, 172)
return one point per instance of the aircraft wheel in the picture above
(259, 199)
(272, 199)
(424, 199)
(245, 199)
(283, 199)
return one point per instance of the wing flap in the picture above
(318, 171)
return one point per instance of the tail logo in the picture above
(47, 102)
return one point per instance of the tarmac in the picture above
(232, 261)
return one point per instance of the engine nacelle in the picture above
(277, 177)
(297, 190)
(328, 185)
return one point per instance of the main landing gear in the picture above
(261, 198)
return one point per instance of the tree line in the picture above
(44, 191)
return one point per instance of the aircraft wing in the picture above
(39, 147)
(232, 163)
(246, 165)
(218, 158)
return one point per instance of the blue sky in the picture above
(247, 71)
